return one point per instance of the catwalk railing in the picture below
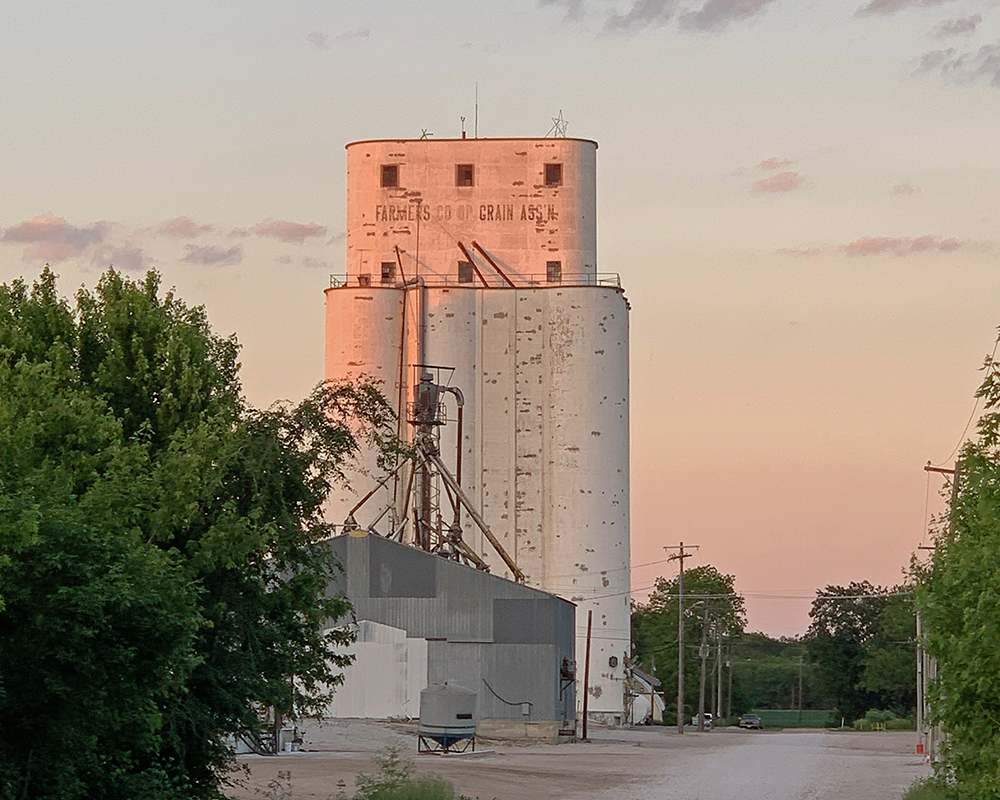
(611, 280)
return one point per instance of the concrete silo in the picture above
(479, 256)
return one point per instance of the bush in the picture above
(883, 720)
(928, 789)
(393, 780)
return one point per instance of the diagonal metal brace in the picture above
(480, 522)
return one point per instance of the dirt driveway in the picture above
(637, 764)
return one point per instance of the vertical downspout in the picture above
(421, 316)
(404, 388)
(400, 396)
(460, 401)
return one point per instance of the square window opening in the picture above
(388, 272)
(553, 271)
(390, 176)
(465, 272)
(553, 174)
(464, 175)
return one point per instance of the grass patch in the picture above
(789, 718)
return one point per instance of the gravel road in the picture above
(637, 764)
(815, 765)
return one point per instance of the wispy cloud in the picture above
(287, 231)
(800, 252)
(893, 247)
(642, 14)
(772, 164)
(319, 40)
(358, 33)
(480, 48)
(129, 257)
(886, 7)
(52, 238)
(574, 8)
(957, 26)
(904, 189)
(311, 262)
(931, 60)
(214, 256)
(323, 41)
(182, 228)
(963, 69)
(904, 246)
(777, 184)
(717, 15)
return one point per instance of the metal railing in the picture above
(611, 280)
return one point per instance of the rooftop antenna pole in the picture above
(475, 134)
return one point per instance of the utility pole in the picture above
(800, 689)
(679, 556)
(586, 673)
(921, 744)
(652, 691)
(718, 683)
(927, 666)
(703, 655)
(729, 694)
(922, 738)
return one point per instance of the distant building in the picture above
(478, 257)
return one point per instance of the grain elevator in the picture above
(472, 268)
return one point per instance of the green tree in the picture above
(159, 567)
(766, 674)
(707, 591)
(960, 601)
(861, 640)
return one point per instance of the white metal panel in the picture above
(386, 677)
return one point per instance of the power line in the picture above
(975, 408)
(753, 595)
(608, 571)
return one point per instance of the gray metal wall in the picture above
(503, 640)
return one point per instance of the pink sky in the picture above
(801, 199)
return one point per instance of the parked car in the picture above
(708, 721)
(751, 722)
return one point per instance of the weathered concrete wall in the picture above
(519, 220)
(545, 376)
(547, 732)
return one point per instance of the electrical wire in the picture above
(772, 594)
(608, 571)
(508, 702)
(975, 408)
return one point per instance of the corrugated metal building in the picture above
(424, 619)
